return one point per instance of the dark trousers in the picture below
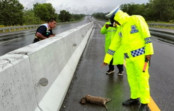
(120, 68)
(111, 67)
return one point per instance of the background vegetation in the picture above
(155, 10)
(13, 13)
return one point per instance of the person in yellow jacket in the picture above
(109, 30)
(135, 40)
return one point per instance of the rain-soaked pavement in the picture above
(14, 40)
(90, 78)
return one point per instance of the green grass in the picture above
(163, 27)
(12, 30)
(1, 26)
(161, 22)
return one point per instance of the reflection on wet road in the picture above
(91, 79)
(20, 39)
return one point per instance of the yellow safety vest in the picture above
(133, 37)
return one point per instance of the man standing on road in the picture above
(45, 31)
(109, 30)
(137, 45)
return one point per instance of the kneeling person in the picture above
(45, 31)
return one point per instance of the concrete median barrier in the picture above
(37, 77)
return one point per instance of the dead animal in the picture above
(95, 100)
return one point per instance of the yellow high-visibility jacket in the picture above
(132, 35)
(109, 33)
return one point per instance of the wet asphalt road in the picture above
(91, 79)
(162, 74)
(15, 40)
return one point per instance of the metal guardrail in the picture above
(17, 28)
(26, 27)
(161, 25)
(162, 33)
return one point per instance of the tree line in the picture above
(12, 13)
(155, 10)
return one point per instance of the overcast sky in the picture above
(81, 6)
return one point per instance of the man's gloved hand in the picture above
(148, 57)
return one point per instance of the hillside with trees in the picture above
(155, 10)
(12, 13)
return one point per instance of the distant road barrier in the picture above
(17, 28)
(25, 27)
(161, 25)
(162, 33)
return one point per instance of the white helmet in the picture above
(113, 12)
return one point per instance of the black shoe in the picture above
(144, 107)
(130, 102)
(110, 72)
(120, 73)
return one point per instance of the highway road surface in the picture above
(91, 79)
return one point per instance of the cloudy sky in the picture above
(81, 6)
